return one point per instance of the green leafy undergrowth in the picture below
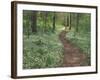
(42, 50)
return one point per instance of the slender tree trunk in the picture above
(54, 17)
(33, 19)
(45, 21)
(77, 22)
(65, 21)
(70, 22)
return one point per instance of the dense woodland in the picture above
(42, 47)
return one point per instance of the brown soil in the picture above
(73, 56)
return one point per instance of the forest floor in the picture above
(73, 56)
(48, 50)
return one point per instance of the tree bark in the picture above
(54, 17)
(33, 19)
(70, 22)
(77, 22)
(45, 21)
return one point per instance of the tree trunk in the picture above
(54, 17)
(65, 21)
(33, 19)
(70, 22)
(77, 22)
(45, 21)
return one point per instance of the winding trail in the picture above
(73, 56)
